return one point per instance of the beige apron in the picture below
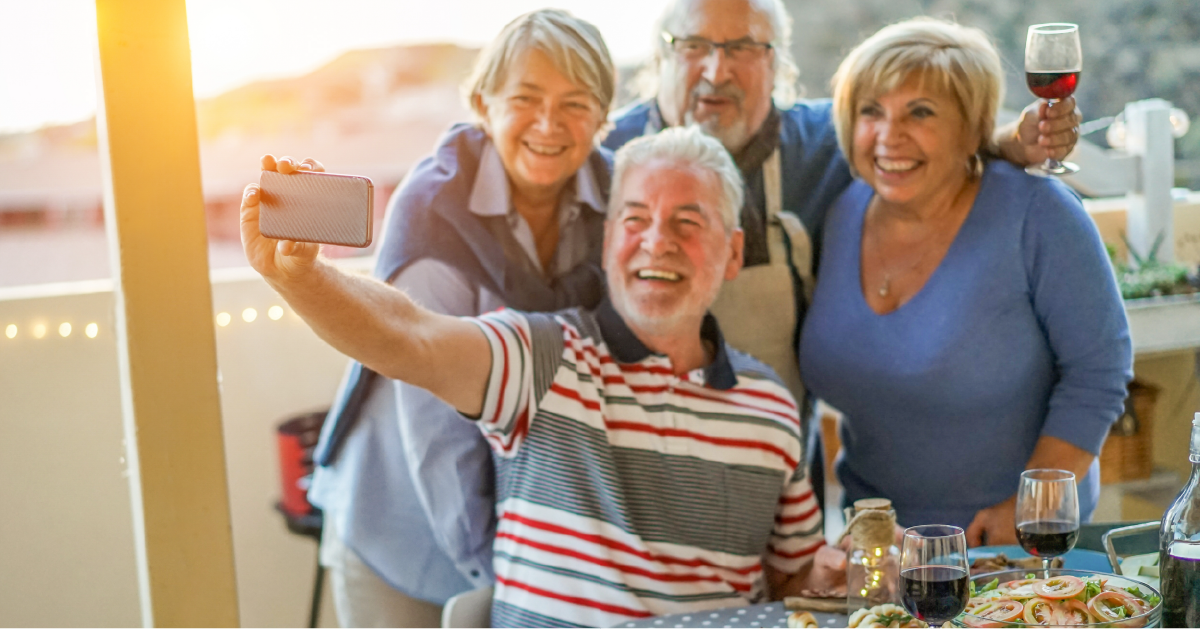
(757, 310)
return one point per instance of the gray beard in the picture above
(660, 325)
(734, 137)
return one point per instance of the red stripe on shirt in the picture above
(626, 569)
(574, 600)
(797, 518)
(660, 370)
(503, 372)
(720, 441)
(791, 418)
(524, 339)
(619, 546)
(640, 368)
(574, 395)
(800, 553)
(721, 398)
(797, 499)
(766, 396)
(594, 371)
(519, 429)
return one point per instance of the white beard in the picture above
(660, 323)
(734, 137)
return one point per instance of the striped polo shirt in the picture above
(625, 491)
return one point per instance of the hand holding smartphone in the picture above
(308, 206)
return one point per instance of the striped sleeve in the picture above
(506, 402)
(525, 351)
(798, 531)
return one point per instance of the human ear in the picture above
(608, 227)
(737, 245)
(480, 105)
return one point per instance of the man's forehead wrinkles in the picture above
(687, 206)
(705, 18)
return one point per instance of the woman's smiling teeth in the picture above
(896, 165)
(546, 149)
(654, 274)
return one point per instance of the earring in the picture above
(975, 165)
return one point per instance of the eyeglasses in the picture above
(697, 48)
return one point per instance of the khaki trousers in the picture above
(361, 598)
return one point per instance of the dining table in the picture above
(775, 613)
(772, 614)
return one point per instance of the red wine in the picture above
(1180, 571)
(1052, 85)
(1048, 538)
(934, 594)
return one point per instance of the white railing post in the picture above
(1151, 209)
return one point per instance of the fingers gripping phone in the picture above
(316, 207)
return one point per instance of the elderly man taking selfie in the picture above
(644, 467)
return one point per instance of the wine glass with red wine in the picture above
(1053, 60)
(933, 572)
(1047, 514)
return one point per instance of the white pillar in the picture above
(1151, 209)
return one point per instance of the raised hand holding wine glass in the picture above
(933, 572)
(1053, 61)
(1047, 514)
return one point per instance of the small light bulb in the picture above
(1115, 136)
(64, 330)
(10, 331)
(223, 319)
(249, 315)
(1180, 122)
(91, 330)
(275, 312)
(39, 330)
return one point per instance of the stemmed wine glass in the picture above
(933, 572)
(1053, 60)
(1047, 514)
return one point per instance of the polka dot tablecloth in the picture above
(753, 617)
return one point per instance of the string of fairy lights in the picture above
(39, 330)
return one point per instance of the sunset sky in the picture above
(47, 48)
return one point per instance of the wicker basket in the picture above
(1130, 457)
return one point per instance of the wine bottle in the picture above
(1179, 548)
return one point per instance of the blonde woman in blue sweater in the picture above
(966, 319)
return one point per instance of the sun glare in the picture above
(47, 48)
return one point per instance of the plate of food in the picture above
(1082, 598)
(986, 559)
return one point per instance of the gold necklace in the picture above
(885, 288)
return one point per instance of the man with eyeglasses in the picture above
(726, 66)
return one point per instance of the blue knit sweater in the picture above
(1020, 332)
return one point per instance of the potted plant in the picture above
(1144, 276)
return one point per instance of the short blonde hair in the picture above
(676, 15)
(574, 46)
(688, 146)
(960, 61)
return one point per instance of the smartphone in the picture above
(316, 207)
